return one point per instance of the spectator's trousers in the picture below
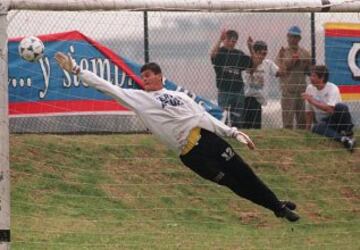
(233, 102)
(337, 124)
(293, 107)
(252, 113)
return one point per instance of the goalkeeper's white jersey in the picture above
(170, 115)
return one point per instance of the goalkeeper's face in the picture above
(151, 81)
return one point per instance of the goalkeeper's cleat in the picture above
(289, 204)
(285, 212)
(349, 143)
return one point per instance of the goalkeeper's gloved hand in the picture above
(243, 138)
(67, 63)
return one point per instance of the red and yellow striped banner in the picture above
(339, 39)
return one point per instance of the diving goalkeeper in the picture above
(186, 127)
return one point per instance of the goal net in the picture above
(184, 56)
(140, 209)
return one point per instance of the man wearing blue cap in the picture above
(295, 62)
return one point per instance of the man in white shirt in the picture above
(256, 81)
(324, 110)
(186, 127)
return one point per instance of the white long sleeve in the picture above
(214, 125)
(124, 96)
(170, 115)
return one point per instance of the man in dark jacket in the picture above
(228, 64)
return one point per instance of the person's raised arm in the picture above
(216, 47)
(286, 63)
(91, 79)
(250, 43)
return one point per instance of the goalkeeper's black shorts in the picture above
(212, 157)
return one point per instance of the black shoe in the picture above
(347, 133)
(289, 204)
(285, 212)
(349, 143)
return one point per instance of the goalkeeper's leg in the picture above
(214, 159)
(244, 182)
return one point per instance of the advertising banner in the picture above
(342, 56)
(44, 89)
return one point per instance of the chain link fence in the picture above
(180, 43)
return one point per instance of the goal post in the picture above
(4, 135)
(198, 5)
(219, 6)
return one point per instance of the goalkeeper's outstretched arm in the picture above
(222, 129)
(125, 96)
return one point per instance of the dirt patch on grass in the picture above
(286, 163)
(313, 213)
(350, 194)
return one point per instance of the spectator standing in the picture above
(296, 62)
(255, 81)
(228, 63)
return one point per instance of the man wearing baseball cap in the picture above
(295, 61)
(294, 31)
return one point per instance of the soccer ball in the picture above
(31, 48)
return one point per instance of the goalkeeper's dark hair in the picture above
(154, 67)
(321, 71)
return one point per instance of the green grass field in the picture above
(131, 192)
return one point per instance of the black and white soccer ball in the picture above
(31, 48)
